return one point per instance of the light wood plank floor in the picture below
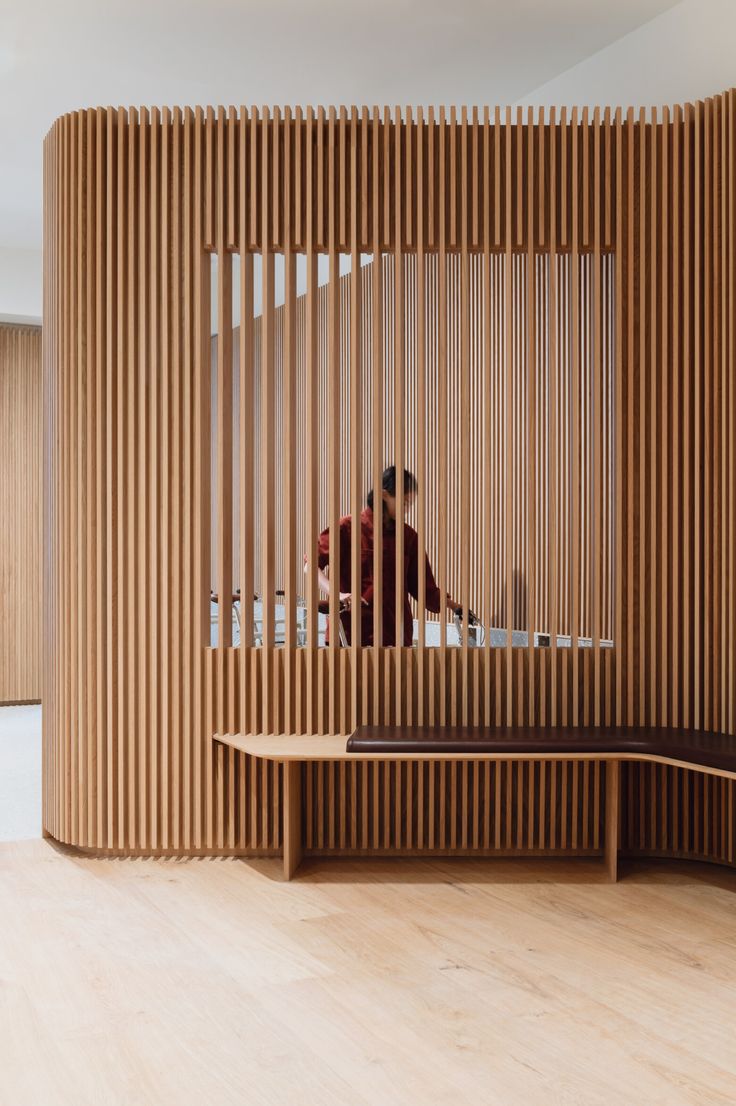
(209, 982)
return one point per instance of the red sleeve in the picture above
(433, 595)
(346, 530)
(323, 551)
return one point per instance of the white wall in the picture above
(685, 54)
(21, 297)
(323, 277)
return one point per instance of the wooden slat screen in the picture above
(474, 428)
(565, 280)
(21, 630)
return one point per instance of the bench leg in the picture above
(292, 817)
(613, 802)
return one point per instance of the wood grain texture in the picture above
(415, 963)
(544, 333)
(21, 418)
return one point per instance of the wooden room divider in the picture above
(20, 514)
(535, 314)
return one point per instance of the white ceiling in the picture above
(59, 55)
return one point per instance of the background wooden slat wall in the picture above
(21, 420)
(669, 811)
(540, 811)
(577, 282)
(470, 428)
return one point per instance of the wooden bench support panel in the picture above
(613, 807)
(292, 817)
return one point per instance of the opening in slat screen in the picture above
(527, 406)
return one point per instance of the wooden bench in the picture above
(704, 752)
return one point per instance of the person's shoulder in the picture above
(410, 534)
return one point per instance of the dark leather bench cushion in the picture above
(711, 750)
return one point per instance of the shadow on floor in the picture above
(501, 871)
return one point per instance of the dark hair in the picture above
(388, 483)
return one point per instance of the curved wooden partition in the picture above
(547, 340)
(20, 514)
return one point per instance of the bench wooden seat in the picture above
(705, 752)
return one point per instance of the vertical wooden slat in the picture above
(664, 402)
(333, 433)
(596, 545)
(509, 512)
(553, 371)
(686, 503)
(289, 402)
(698, 374)
(708, 427)
(488, 533)
(399, 413)
(575, 430)
(377, 411)
(312, 413)
(722, 417)
(97, 829)
(442, 407)
(630, 425)
(356, 393)
(465, 418)
(149, 768)
(246, 370)
(267, 423)
(132, 399)
(530, 313)
(620, 584)
(210, 197)
(86, 415)
(421, 417)
(224, 408)
(653, 380)
(677, 405)
(195, 543)
(181, 690)
(731, 440)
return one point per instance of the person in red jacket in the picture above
(408, 579)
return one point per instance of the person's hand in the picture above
(346, 600)
(453, 603)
